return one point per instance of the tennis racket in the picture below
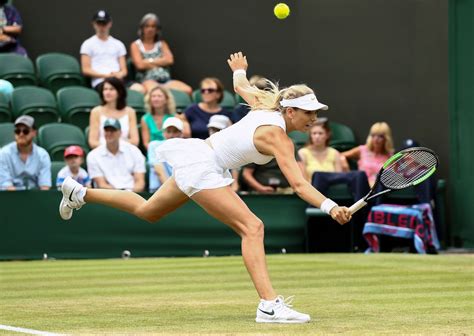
(406, 168)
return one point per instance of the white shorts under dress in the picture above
(195, 165)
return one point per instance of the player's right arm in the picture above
(272, 140)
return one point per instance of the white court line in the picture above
(27, 331)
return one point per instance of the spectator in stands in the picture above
(218, 123)
(161, 106)
(102, 55)
(198, 115)
(74, 158)
(161, 171)
(377, 149)
(317, 156)
(117, 164)
(23, 164)
(11, 26)
(152, 58)
(113, 95)
(265, 179)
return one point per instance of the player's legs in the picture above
(163, 201)
(226, 206)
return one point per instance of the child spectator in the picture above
(161, 171)
(102, 55)
(74, 157)
(218, 123)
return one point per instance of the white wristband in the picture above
(327, 205)
(239, 72)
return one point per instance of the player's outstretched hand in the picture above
(238, 61)
(341, 214)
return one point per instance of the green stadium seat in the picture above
(342, 137)
(75, 104)
(131, 71)
(17, 69)
(56, 137)
(228, 101)
(36, 102)
(56, 166)
(6, 134)
(181, 99)
(136, 100)
(56, 70)
(5, 113)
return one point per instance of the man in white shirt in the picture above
(116, 164)
(102, 55)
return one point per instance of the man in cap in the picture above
(116, 164)
(23, 164)
(102, 55)
(161, 171)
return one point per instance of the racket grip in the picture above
(357, 206)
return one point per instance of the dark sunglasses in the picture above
(209, 90)
(25, 131)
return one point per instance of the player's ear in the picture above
(290, 112)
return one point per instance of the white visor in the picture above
(307, 102)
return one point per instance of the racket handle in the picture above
(357, 206)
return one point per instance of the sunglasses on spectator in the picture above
(376, 135)
(25, 131)
(209, 90)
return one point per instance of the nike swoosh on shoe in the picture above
(70, 199)
(268, 313)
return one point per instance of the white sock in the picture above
(81, 194)
(269, 301)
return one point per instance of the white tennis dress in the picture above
(197, 166)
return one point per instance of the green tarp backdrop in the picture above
(30, 226)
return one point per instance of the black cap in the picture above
(102, 16)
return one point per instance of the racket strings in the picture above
(407, 169)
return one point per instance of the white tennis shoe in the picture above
(73, 198)
(279, 311)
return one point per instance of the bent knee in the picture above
(254, 229)
(146, 215)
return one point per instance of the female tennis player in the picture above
(201, 173)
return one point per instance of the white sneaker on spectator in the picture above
(73, 197)
(279, 311)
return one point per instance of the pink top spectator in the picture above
(371, 162)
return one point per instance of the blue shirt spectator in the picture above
(32, 174)
(199, 119)
(23, 164)
(10, 27)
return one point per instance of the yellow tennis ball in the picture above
(281, 11)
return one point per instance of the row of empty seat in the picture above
(53, 70)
